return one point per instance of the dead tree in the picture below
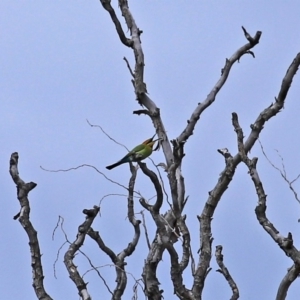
(171, 227)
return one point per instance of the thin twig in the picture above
(145, 228)
(282, 172)
(112, 139)
(128, 66)
(82, 166)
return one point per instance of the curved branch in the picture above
(23, 190)
(159, 193)
(130, 213)
(106, 5)
(289, 278)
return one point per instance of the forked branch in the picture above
(226, 176)
(285, 243)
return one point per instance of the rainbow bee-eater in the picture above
(138, 153)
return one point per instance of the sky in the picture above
(62, 64)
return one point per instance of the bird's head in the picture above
(150, 142)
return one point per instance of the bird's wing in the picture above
(135, 150)
(144, 152)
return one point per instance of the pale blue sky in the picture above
(62, 63)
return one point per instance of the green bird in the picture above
(138, 153)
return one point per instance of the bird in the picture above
(138, 153)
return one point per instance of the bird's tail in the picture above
(115, 165)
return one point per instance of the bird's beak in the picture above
(149, 140)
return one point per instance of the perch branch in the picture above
(138, 74)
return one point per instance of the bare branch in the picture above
(282, 172)
(188, 130)
(112, 139)
(252, 41)
(74, 247)
(121, 274)
(94, 268)
(82, 166)
(145, 228)
(23, 190)
(109, 195)
(273, 109)
(159, 194)
(130, 213)
(285, 243)
(226, 177)
(142, 112)
(138, 75)
(205, 219)
(97, 238)
(176, 275)
(140, 86)
(163, 238)
(60, 222)
(224, 271)
(292, 274)
(176, 179)
(186, 245)
(128, 66)
(157, 247)
(119, 260)
(106, 5)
